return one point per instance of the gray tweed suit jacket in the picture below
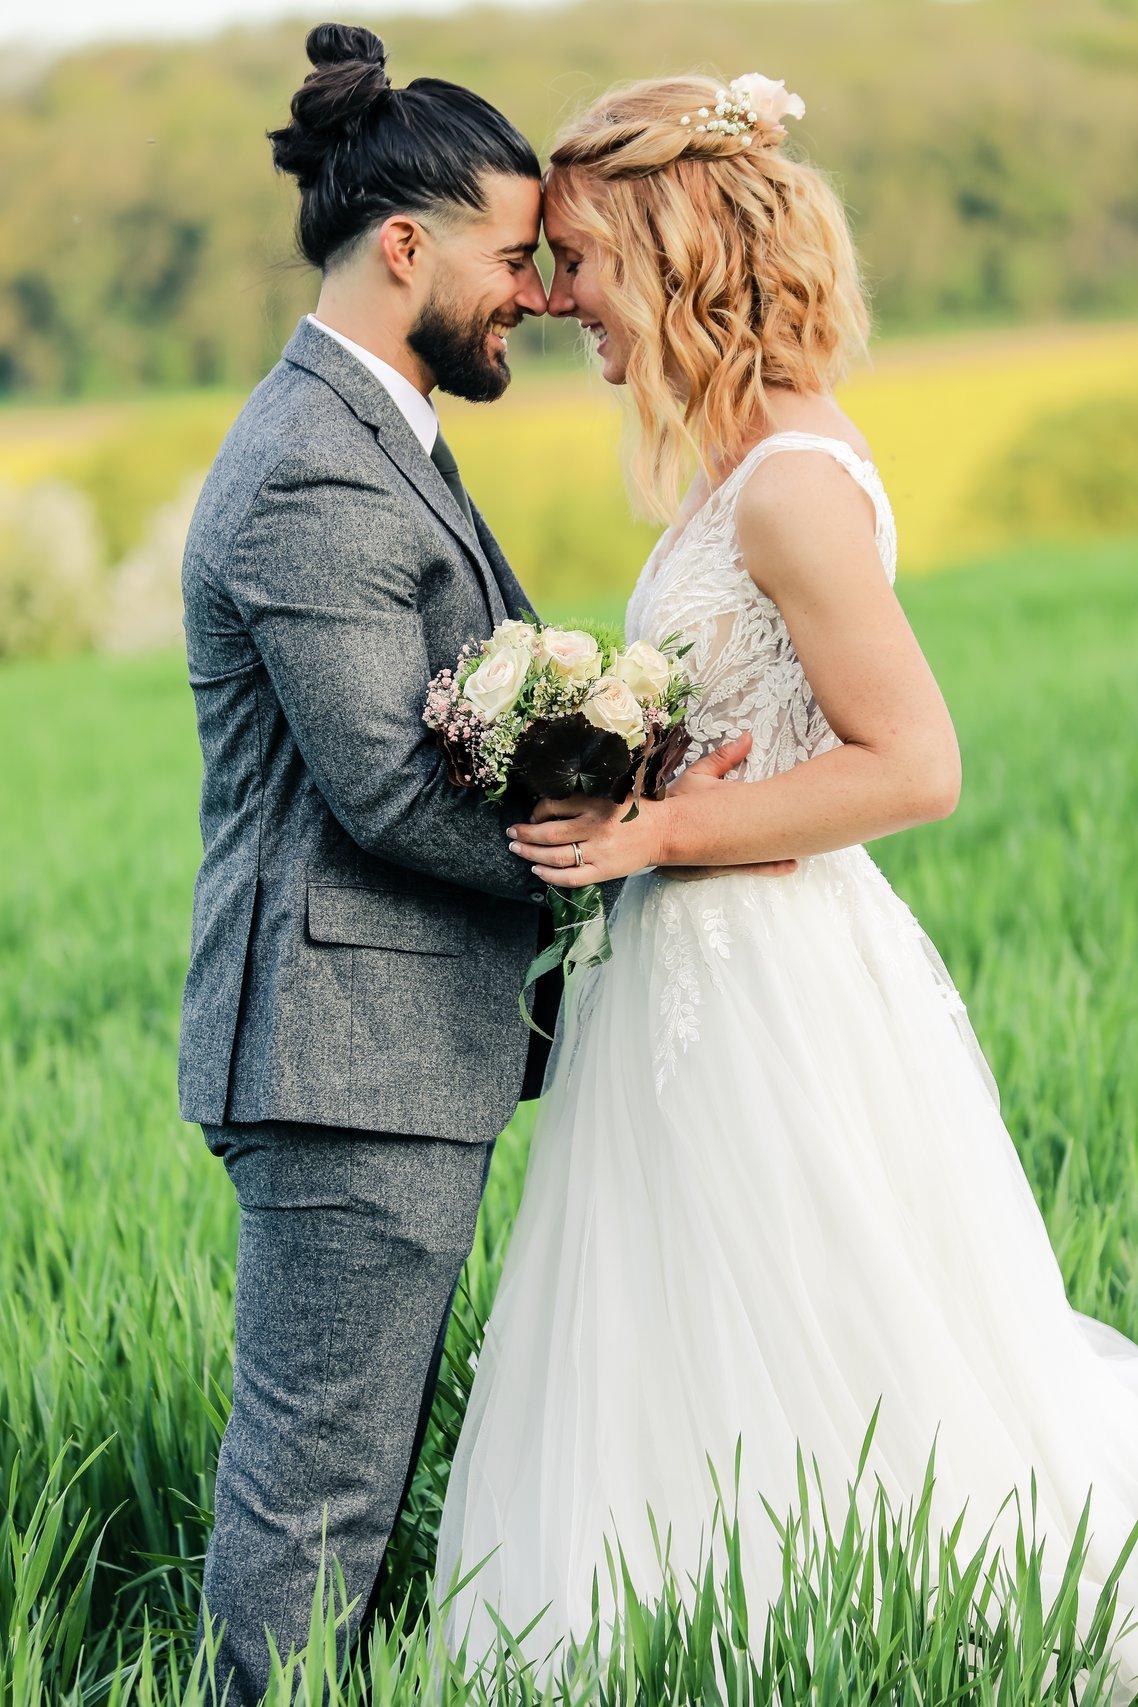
(360, 929)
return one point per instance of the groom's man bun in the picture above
(361, 150)
(349, 80)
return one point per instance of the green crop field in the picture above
(117, 1229)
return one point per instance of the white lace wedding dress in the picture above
(769, 1185)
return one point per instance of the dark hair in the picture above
(361, 150)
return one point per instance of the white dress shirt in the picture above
(418, 411)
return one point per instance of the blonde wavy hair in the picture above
(730, 264)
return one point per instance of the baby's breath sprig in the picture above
(749, 101)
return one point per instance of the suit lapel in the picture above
(312, 349)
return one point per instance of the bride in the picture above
(769, 1182)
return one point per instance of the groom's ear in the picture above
(399, 246)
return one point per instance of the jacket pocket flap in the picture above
(382, 918)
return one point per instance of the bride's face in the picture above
(578, 292)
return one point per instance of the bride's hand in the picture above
(609, 848)
(611, 845)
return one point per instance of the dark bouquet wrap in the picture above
(555, 712)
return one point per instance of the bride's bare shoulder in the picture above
(799, 514)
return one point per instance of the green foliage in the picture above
(986, 159)
(117, 1228)
(874, 1608)
(1071, 471)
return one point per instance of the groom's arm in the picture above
(326, 580)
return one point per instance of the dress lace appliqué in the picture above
(718, 934)
(679, 1022)
(742, 653)
(695, 584)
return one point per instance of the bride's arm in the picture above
(807, 540)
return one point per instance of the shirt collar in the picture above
(418, 411)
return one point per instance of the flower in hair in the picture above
(750, 101)
(767, 100)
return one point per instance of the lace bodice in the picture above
(695, 583)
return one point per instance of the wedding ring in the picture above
(578, 856)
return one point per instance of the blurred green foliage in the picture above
(52, 580)
(140, 462)
(1071, 470)
(986, 153)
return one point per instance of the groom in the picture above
(351, 1043)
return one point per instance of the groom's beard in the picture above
(455, 352)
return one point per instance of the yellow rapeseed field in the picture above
(544, 462)
(940, 413)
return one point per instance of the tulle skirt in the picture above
(770, 1186)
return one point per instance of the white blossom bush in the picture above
(52, 581)
(144, 601)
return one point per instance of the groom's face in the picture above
(483, 281)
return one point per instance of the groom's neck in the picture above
(365, 323)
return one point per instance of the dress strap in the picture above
(862, 470)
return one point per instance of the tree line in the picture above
(986, 153)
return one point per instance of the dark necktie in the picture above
(443, 458)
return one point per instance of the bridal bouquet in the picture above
(559, 711)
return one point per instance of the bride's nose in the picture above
(561, 300)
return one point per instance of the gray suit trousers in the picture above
(349, 1252)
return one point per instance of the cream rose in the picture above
(495, 685)
(768, 99)
(642, 669)
(572, 652)
(512, 633)
(612, 706)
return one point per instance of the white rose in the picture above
(572, 652)
(643, 669)
(495, 685)
(768, 99)
(612, 706)
(514, 634)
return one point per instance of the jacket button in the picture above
(537, 894)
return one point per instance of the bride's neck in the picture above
(786, 410)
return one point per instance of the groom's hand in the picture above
(713, 767)
(707, 773)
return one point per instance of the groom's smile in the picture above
(484, 281)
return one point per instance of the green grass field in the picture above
(117, 1229)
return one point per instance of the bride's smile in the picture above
(579, 291)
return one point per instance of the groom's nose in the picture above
(530, 296)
